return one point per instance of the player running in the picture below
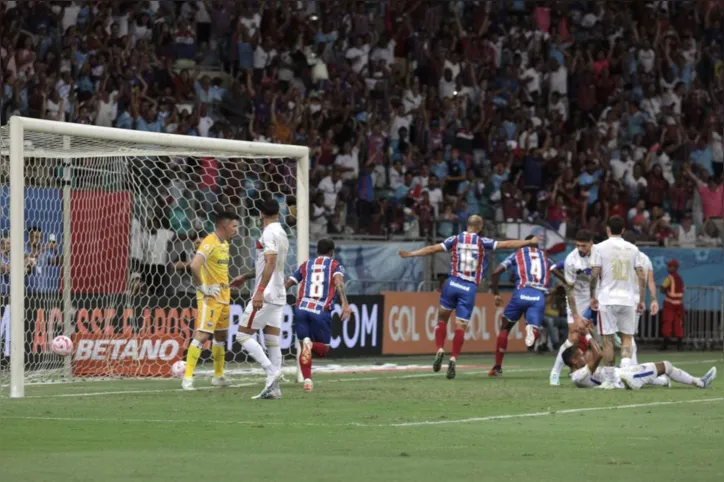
(531, 267)
(266, 308)
(619, 266)
(587, 373)
(321, 279)
(210, 271)
(575, 272)
(468, 264)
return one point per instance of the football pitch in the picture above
(383, 425)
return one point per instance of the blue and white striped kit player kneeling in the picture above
(467, 268)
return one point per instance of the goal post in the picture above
(102, 153)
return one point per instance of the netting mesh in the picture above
(111, 229)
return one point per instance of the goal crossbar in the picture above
(18, 148)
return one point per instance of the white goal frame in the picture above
(18, 126)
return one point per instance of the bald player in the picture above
(467, 268)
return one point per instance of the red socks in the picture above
(458, 341)
(501, 347)
(440, 334)
(319, 349)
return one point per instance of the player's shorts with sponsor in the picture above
(645, 373)
(617, 318)
(211, 314)
(588, 314)
(312, 325)
(459, 295)
(529, 302)
(268, 315)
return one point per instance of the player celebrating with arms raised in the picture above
(532, 270)
(321, 279)
(266, 308)
(210, 271)
(468, 264)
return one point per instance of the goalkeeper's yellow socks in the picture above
(218, 352)
(192, 358)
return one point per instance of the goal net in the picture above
(98, 227)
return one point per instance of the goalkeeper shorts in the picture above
(211, 315)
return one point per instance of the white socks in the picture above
(558, 365)
(626, 362)
(253, 348)
(634, 349)
(660, 381)
(609, 374)
(681, 376)
(274, 350)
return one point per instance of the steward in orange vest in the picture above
(672, 316)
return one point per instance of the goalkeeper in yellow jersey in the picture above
(210, 271)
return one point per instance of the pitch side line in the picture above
(425, 423)
(338, 380)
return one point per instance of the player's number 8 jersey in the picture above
(316, 279)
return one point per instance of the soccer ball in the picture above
(178, 369)
(62, 345)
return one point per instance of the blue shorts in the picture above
(315, 326)
(458, 295)
(529, 302)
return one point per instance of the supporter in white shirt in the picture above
(398, 121)
(358, 55)
(330, 186)
(251, 21)
(348, 161)
(558, 80)
(263, 55)
(534, 74)
(412, 98)
(686, 233)
(619, 167)
(646, 58)
(107, 109)
(447, 85)
(384, 51)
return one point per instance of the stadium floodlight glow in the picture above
(84, 179)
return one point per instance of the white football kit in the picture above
(577, 270)
(644, 374)
(273, 241)
(648, 267)
(618, 260)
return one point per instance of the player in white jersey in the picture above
(575, 272)
(266, 308)
(618, 265)
(648, 268)
(587, 373)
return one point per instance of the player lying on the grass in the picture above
(266, 309)
(320, 281)
(467, 267)
(588, 374)
(210, 271)
(531, 268)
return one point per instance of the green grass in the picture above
(349, 429)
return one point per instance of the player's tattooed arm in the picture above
(595, 275)
(339, 285)
(558, 274)
(426, 251)
(642, 288)
(596, 354)
(571, 300)
(519, 243)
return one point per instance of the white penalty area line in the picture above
(426, 423)
(381, 376)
